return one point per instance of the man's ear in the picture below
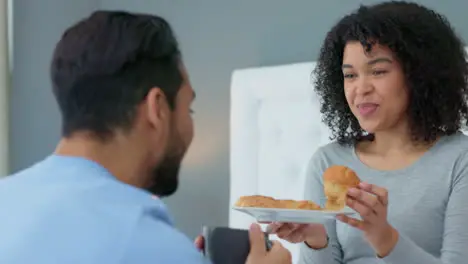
(156, 105)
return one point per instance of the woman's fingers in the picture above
(381, 193)
(367, 213)
(286, 230)
(351, 221)
(272, 228)
(369, 201)
(364, 198)
(298, 235)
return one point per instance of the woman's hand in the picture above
(371, 202)
(314, 235)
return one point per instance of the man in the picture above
(124, 96)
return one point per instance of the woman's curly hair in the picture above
(432, 57)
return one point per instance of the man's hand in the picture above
(199, 243)
(258, 252)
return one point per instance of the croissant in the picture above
(337, 180)
(269, 202)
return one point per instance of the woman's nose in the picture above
(363, 86)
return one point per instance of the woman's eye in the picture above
(379, 72)
(349, 75)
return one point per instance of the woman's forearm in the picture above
(330, 255)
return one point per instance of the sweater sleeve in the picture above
(314, 192)
(455, 239)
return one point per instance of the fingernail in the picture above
(353, 191)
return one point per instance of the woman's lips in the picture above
(367, 109)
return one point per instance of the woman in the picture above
(393, 82)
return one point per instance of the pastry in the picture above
(292, 204)
(337, 180)
(269, 202)
(256, 201)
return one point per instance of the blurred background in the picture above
(216, 36)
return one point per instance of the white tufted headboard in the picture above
(275, 128)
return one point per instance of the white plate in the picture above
(292, 215)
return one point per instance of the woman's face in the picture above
(374, 86)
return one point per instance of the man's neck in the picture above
(118, 156)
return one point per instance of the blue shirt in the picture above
(69, 210)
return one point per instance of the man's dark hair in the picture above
(432, 57)
(104, 66)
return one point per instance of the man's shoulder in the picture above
(92, 218)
